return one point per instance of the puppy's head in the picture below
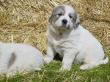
(64, 17)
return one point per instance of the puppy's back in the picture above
(22, 58)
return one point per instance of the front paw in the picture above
(65, 68)
(47, 59)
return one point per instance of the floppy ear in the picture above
(76, 20)
(50, 18)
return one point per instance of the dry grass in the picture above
(25, 21)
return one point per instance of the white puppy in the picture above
(19, 58)
(71, 41)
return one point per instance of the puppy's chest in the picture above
(58, 47)
(61, 45)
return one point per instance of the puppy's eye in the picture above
(60, 14)
(70, 16)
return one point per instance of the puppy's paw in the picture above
(47, 60)
(65, 69)
(84, 67)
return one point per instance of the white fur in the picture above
(76, 46)
(27, 58)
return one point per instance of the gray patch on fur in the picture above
(75, 20)
(55, 12)
(12, 59)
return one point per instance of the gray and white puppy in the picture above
(19, 58)
(71, 41)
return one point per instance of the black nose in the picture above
(64, 21)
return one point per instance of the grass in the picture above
(50, 73)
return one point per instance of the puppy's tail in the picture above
(104, 61)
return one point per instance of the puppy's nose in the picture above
(64, 21)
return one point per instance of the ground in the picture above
(50, 73)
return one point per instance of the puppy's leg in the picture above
(93, 64)
(50, 55)
(68, 59)
(87, 66)
(89, 62)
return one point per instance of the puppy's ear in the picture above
(51, 15)
(50, 18)
(76, 20)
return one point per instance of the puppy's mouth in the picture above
(65, 27)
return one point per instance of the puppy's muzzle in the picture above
(64, 21)
(64, 24)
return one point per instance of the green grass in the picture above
(50, 73)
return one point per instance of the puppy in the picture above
(71, 41)
(19, 58)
